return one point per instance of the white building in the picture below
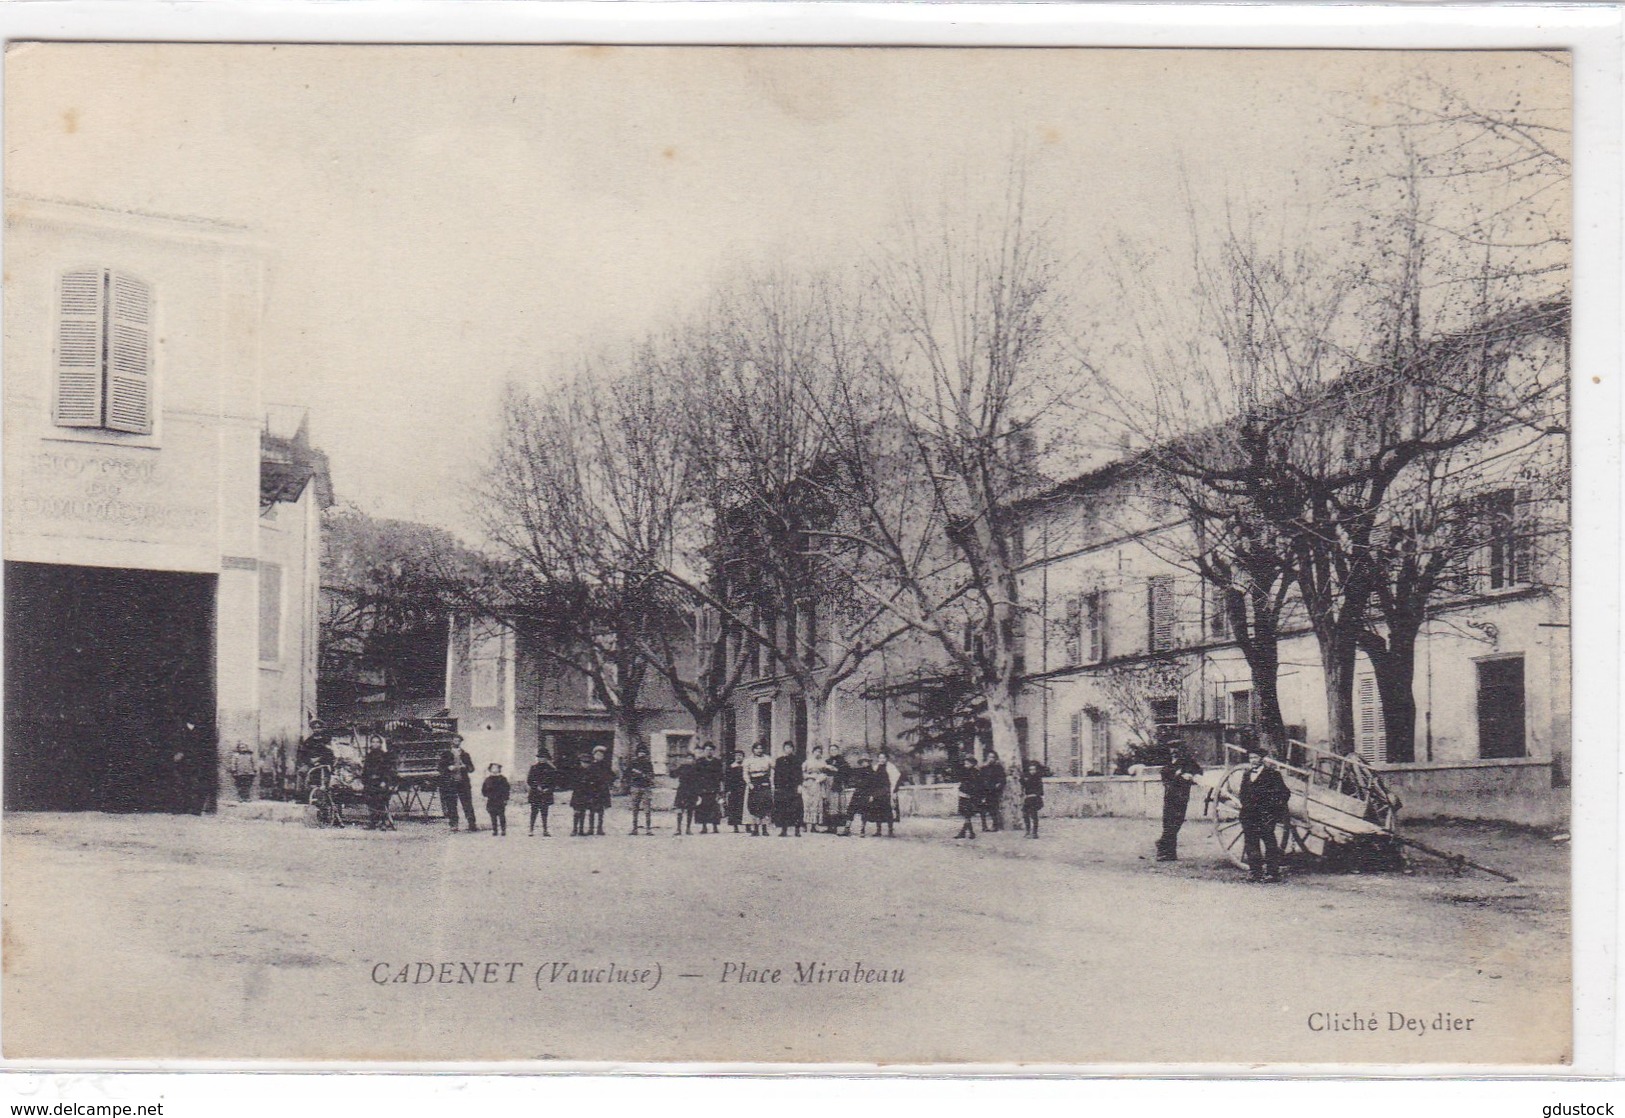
(162, 535)
(1124, 635)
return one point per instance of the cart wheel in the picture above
(1227, 817)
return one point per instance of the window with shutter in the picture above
(129, 360)
(1095, 620)
(1523, 539)
(1100, 745)
(1218, 616)
(1075, 761)
(1372, 743)
(1074, 627)
(1241, 708)
(79, 350)
(104, 352)
(1160, 612)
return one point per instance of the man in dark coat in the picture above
(1178, 775)
(540, 783)
(456, 784)
(377, 785)
(1264, 798)
(994, 779)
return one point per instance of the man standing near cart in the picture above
(1264, 798)
(456, 784)
(1178, 775)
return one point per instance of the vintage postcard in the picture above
(1067, 552)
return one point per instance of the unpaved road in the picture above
(181, 937)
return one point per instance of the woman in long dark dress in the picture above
(683, 802)
(707, 789)
(733, 788)
(861, 780)
(787, 791)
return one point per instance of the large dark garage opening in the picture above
(109, 689)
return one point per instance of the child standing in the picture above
(540, 782)
(683, 803)
(580, 794)
(496, 791)
(640, 783)
(1032, 795)
(970, 796)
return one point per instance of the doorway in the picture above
(109, 689)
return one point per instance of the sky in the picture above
(440, 220)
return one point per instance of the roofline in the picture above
(23, 208)
(1549, 316)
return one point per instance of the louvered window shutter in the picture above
(79, 350)
(1160, 607)
(1097, 626)
(1074, 643)
(129, 356)
(1077, 744)
(1523, 539)
(1373, 735)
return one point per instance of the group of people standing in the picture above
(981, 794)
(757, 793)
(753, 794)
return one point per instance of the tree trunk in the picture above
(1395, 669)
(627, 724)
(819, 723)
(1264, 658)
(1001, 717)
(1337, 661)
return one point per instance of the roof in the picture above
(1550, 317)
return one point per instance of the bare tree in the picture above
(584, 495)
(937, 440)
(760, 371)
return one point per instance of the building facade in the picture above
(1126, 637)
(162, 531)
(511, 698)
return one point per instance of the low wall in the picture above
(1510, 791)
(1081, 797)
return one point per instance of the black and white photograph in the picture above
(788, 555)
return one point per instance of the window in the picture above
(1100, 744)
(764, 724)
(1165, 711)
(270, 613)
(1506, 553)
(1160, 612)
(1218, 616)
(679, 749)
(1086, 629)
(1371, 733)
(1094, 626)
(1500, 707)
(1091, 744)
(104, 352)
(1241, 708)
(1497, 552)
